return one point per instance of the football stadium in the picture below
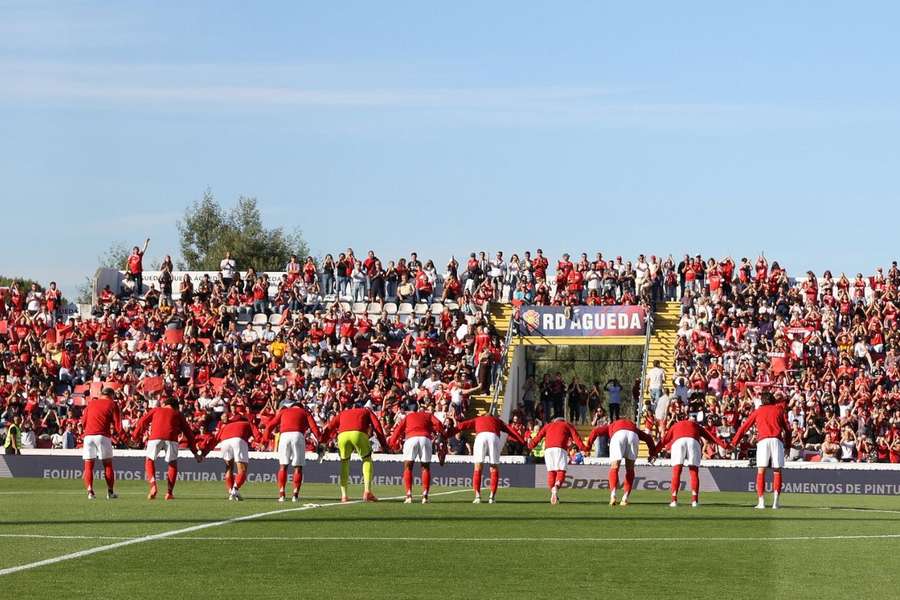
(630, 398)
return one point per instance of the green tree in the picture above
(208, 231)
(113, 258)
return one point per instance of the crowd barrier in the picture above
(718, 475)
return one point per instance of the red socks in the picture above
(760, 484)
(476, 480)
(560, 478)
(777, 482)
(298, 479)
(426, 481)
(240, 479)
(495, 480)
(407, 480)
(676, 480)
(695, 483)
(629, 479)
(149, 469)
(110, 475)
(89, 474)
(613, 479)
(282, 479)
(229, 480)
(551, 478)
(171, 476)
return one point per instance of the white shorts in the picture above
(770, 453)
(235, 449)
(97, 446)
(623, 445)
(686, 451)
(292, 449)
(154, 447)
(556, 459)
(487, 448)
(417, 449)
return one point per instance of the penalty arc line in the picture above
(178, 532)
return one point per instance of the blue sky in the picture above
(400, 126)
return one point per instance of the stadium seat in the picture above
(345, 306)
(359, 308)
(260, 319)
(390, 308)
(275, 319)
(405, 308)
(452, 305)
(437, 308)
(421, 309)
(374, 307)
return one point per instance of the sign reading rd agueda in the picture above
(591, 321)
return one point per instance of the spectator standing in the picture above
(135, 267)
(228, 268)
(656, 376)
(614, 398)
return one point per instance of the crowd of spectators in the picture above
(826, 346)
(335, 332)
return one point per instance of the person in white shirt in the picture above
(228, 267)
(655, 379)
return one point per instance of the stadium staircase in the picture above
(500, 317)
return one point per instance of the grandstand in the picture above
(341, 330)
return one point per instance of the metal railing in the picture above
(504, 359)
(640, 403)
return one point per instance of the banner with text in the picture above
(587, 321)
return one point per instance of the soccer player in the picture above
(101, 417)
(293, 423)
(417, 428)
(560, 434)
(233, 436)
(353, 427)
(624, 438)
(772, 434)
(166, 423)
(684, 438)
(487, 448)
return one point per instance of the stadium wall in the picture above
(724, 476)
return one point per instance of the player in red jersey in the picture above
(417, 428)
(353, 427)
(166, 423)
(773, 433)
(293, 423)
(684, 437)
(100, 419)
(233, 436)
(560, 434)
(487, 448)
(624, 438)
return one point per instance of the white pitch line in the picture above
(177, 532)
(466, 539)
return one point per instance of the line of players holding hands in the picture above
(417, 430)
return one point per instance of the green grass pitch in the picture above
(815, 547)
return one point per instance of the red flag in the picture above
(174, 336)
(152, 384)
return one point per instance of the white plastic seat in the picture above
(390, 308)
(452, 305)
(260, 319)
(359, 308)
(437, 308)
(421, 309)
(405, 308)
(275, 319)
(345, 306)
(374, 307)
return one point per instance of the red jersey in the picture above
(559, 434)
(770, 422)
(100, 416)
(688, 429)
(622, 425)
(292, 418)
(490, 423)
(165, 423)
(416, 424)
(355, 419)
(238, 427)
